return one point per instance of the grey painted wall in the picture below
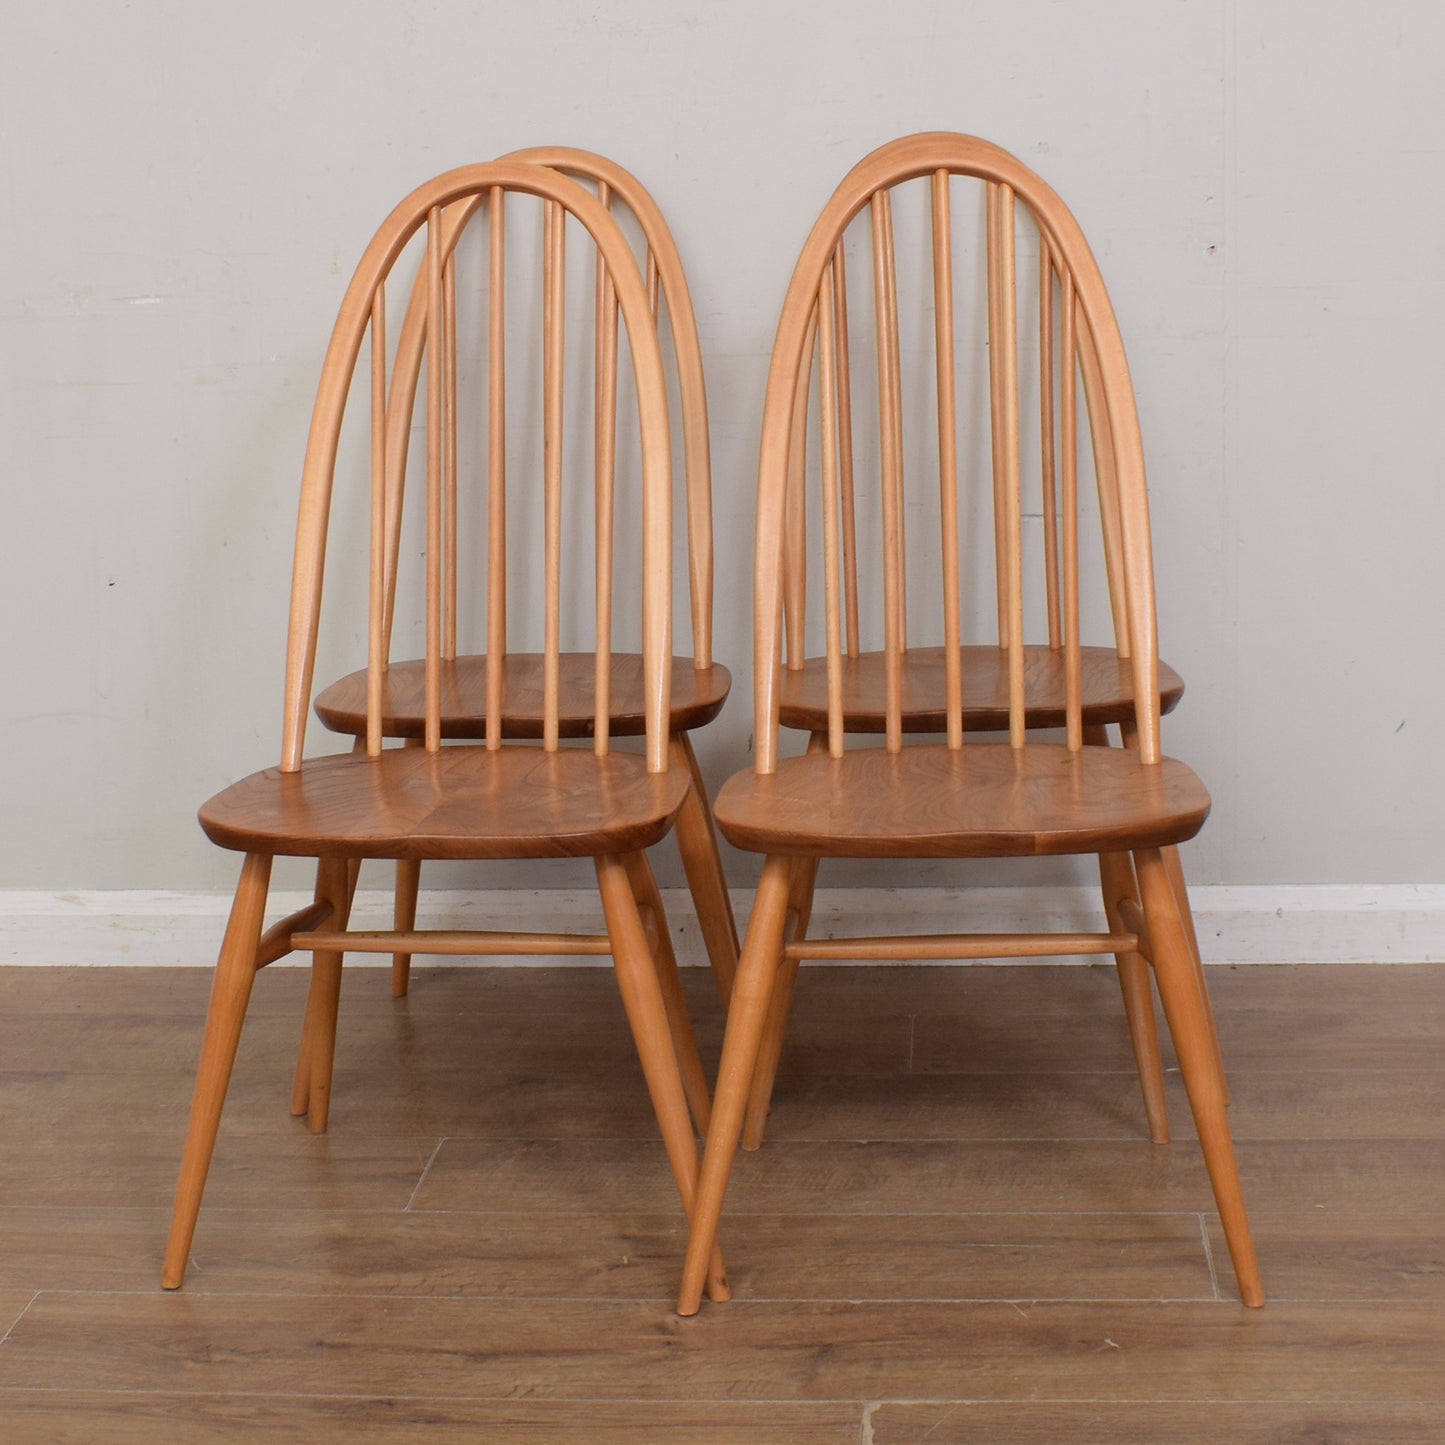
(186, 188)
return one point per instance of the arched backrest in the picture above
(443, 206)
(1079, 338)
(663, 273)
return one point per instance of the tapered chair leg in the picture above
(702, 863)
(801, 886)
(311, 1091)
(1116, 878)
(408, 886)
(684, 1042)
(1175, 869)
(652, 1033)
(230, 993)
(752, 992)
(1186, 1011)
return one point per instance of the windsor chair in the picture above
(958, 798)
(699, 685)
(467, 800)
(1105, 681)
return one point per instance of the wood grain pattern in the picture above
(459, 802)
(1107, 690)
(985, 800)
(698, 695)
(568, 1349)
(37, 1417)
(1090, 1422)
(373, 1320)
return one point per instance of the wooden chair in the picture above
(1106, 685)
(958, 798)
(472, 800)
(699, 685)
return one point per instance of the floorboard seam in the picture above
(425, 1170)
(16, 1321)
(1209, 1255)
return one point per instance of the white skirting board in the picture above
(1385, 923)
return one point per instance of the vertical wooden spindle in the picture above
(1047, 480)
(496, 466)
(449, 459)
(895, 403)
(795, 513)
(376, 619)
(1009, 416)
(605, 472)
(1073, 702)
(1101, 437)
(845, 454)
(828, 449)
(435, 347)
(947, 453)
(553, 309)
(890, 456)
(995, 414)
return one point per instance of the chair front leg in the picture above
(684, 1042)
(652, 1033)
(1187, 1013)
(1116, 879)
(702, 863)
(752, 993)
(230, 993)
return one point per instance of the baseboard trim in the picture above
(1328, 923)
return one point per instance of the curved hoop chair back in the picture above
(1079, 349)
(443, 207)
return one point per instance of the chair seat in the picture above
(982, 800)
(460, 802)
(697, 697)
(1108, 690)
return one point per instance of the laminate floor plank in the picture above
(1261, 1422)
(1263, 1105)
(67, 1417)
(618, 1256)
(584, 1350)
(291, 1169)
(1317, 1255)
(933, 1176)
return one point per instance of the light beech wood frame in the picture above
(477, 705)
(962, 688)
(493, 799)
(960, 798)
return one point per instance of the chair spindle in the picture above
(376, 618)
(605, 473)
(496, 466)
(553, 317)
(845, 453)
(1073, 703)
(828, 449)
(1009, 416)
(449, 458)
(890, 447)
(947, 453)
(1047, 469)
(434, 408)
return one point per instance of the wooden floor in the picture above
(957, 1231)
